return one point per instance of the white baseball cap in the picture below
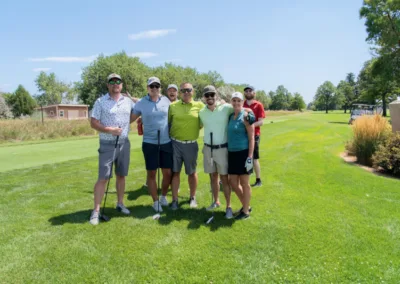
(238, 95)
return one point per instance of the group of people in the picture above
(171, 127)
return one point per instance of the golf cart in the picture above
(358, 110)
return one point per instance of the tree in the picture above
(281, 98)
(94, 77)
(263, 98)
(225, 92)
(5, 111)
(297, 102)
(377, 83)
(21, 102)
(382, 20)
(325, 95)
(52, 90)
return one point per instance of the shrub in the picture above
(387, 155)
(368, 133)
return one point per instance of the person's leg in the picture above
(166, 180)
(244, 182)
(120, 185)
(257, 168)
(193, 180)
(99, 189)
(234, 182)
(215, 187)
(152, 184)
(177, 161)
(256, 162)
(227, 189)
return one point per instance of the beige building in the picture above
(65, 111)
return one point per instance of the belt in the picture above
(220, 146)
(185, 141)
(120, 141)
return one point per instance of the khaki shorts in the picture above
(220, 157)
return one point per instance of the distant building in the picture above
(65, 111)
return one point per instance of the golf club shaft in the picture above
(109, 177)
(211, 183)
(158, 169)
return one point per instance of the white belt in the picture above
(184, 142)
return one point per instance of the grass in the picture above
(315, 220)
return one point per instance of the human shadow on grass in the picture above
(83, 216)
(135, 194)
(196, 217)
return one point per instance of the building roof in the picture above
(64, 105)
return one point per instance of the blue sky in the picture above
(297, 43)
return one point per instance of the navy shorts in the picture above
(256, 153)
(237, 161)
(151, 158)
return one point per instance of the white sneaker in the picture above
(163, 201)
(213, 206)
(229, 213)
(94, 218)
(193, 203)
(157, 206)
(121, 208)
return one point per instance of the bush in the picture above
(368, 133)
(387, 155)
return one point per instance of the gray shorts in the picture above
(220, 160)
(122, 157)
(184, 153)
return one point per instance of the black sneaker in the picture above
(242, 215)
(241, 210)
(257, 184)
(174, 205)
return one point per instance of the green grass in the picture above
(315, 220)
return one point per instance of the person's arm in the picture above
(95, 124)
(134, 117)
(250, 135)
(260, 115)
(259, 122)
(135, 100)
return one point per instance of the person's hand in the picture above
(139, 120)
(249, 164)
(116, 131)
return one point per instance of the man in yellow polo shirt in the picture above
(183, 118)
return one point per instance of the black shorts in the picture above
(237, 161)
(256, 154)
(151, 159)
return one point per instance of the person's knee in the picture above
(102, 182)
(120, 178)
(151, 175)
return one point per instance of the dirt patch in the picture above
(353, 161)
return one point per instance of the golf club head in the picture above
(105, 218)
(156, 216)
(210, 220)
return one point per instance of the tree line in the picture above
(378, 82)
(134, 73)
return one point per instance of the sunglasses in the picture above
(209, 95)
(114, 82)
(154, 86)
(187, 90)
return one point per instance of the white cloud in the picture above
(41, 69)
(143, 54)
(151, 34)
(64, 59)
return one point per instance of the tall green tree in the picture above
(21, 102)
(297, 102)
(347, 93)
(325, 95)
(51, 89)
(281, 98)
(94, 77)
(382, 20)
(377, 83)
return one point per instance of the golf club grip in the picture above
(116, 142)
(158, 137)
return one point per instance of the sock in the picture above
(258, 179)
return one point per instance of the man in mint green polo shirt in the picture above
(183, 118)
(214, 117)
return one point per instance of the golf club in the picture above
(157, 215)
(212, 192)
(102, 216)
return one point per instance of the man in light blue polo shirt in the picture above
(111, 116)
(153, 110)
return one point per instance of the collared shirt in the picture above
(216, 122)
(154, 118)
(238, 139)
(184, 120)
(259, 112)
(113, 113)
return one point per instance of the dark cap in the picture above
(209, 89)
(249, 87)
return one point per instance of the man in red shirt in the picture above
(258, 109)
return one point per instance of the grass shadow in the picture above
(135, 194)
(338, 122)
(78, 217)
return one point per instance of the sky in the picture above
(295, 43)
